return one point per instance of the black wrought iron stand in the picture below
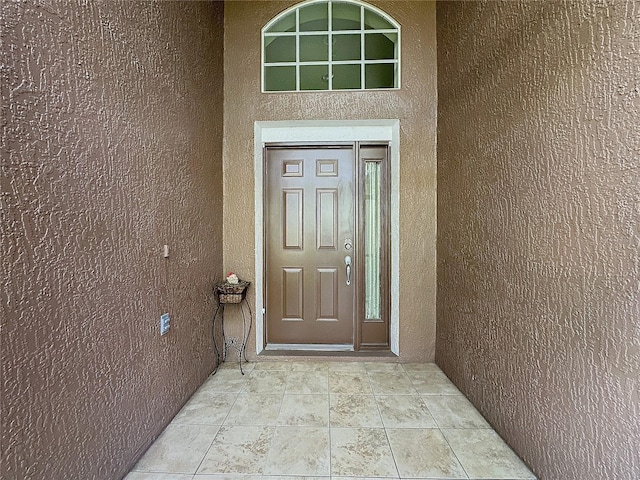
(232, 294)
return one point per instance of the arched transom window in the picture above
(330, 45)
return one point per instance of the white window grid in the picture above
(330, 33)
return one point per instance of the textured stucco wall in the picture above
(539, 227)
(414, 104)
(111, 144)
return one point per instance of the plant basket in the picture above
(231, 293)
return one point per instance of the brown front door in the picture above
(310, 229)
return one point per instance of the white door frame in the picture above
(327, 131)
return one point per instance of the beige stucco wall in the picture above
(414, 104)
(539, 227)
(111, 146)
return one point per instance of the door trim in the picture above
(327, 131)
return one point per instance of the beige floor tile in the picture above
(274, 366)
(354, 411)
(157, 476)
(238, 450)
(225, 381)
(333, 477)
(292, 477)
(354, 383)
(232, 364)
(391, 383)
(255, 409)
(484, 455)
(387, 367)
(361, 452)
(270, 382)
(326, 420)
(404, 411)
(179, 449)
(423, 453)
(454, 411)
(299, 451)
(347, 367)
(420, 367)
(433, 383)
(226, 477)
(307, 382)
(305, 411)
(205, 408)
(310, 366)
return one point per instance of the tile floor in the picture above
(321, 420)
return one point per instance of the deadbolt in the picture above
(348, 244)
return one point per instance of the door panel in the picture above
(327, 284)
(293, 218)
(292, 294)
(309, 214)
(327, 218)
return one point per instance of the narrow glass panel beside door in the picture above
(372, 306)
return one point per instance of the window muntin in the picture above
(330, 45)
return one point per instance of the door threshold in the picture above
(308, 347)
(347, 355)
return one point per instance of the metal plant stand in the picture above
(228, 294)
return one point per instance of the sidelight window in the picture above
(330, 45)
(372, 240)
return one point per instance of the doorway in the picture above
(342, 133)
(326, 246)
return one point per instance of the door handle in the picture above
(347, 262)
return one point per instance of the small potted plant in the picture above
(232, 278)
(232, 290)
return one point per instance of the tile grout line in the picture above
(275, 427)
(330, 394)
(435, 420)
(329, 421)
(216, 435)
(454, 453)
(386, 434)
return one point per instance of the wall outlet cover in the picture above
(165, 322)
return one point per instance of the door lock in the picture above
(348, 244)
